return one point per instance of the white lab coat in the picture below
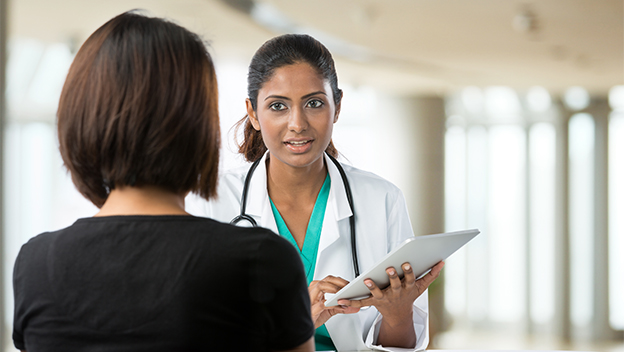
(382, 223)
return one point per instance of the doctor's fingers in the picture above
(409, 279)
(357, 303)
(336, 280)
(375, 291)
(395, 281)
(330, 284)
(317, 289)
(343, 310)
(316, 295)
(430, 277)
(327, 287)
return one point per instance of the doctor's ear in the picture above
(337, 112)
(338, 107)
(252, 115)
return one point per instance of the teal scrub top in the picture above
(310, 249)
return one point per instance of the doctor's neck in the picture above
(286, 180)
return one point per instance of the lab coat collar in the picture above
(337, 209)
(257, 195)
(259, 206)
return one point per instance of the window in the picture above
(503, 150)
(616, 208)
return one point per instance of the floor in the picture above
(464, 340)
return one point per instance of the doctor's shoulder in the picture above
(231, 181)
(224, 206)
(372, 185)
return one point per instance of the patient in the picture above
(138, 130)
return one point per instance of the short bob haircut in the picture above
(139, 108)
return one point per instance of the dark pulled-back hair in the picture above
(281, 51)
(139, 108)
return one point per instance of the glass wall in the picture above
(616, 208)
(503, 165)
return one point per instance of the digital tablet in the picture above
(422, 252)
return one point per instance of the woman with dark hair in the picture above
(296, 188)
(138, 128)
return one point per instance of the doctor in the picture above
(296, 190)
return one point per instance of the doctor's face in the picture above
(295, 114)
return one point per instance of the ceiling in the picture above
(401, 46)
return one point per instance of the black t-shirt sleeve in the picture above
(18, 335)
(279, 284)
(29, 282)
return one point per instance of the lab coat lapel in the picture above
(344, 330)
(337, 208)
(258, 204)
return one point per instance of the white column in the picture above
(562, 237)
(428, 121)
(600, 110)
(410, 132)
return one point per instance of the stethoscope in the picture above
(244, 217)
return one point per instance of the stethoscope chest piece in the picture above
(244, 220)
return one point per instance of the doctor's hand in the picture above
(317, 290)
(395, 302)
(399, 295)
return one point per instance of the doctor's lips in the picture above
(299, 143)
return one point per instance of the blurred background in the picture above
(507, 116)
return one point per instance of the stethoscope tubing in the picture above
(243, 215)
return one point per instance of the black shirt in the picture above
(156, 283)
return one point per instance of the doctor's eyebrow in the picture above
(276, 97)
(286, 98)
(314, 93)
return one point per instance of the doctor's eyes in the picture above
(277, 107)
(313, 104)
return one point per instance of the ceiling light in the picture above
(576, 98)
(616, 98)
(525, 21)
(538, 99)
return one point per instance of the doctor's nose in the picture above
(297, 121)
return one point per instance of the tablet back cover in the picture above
(422, 252)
